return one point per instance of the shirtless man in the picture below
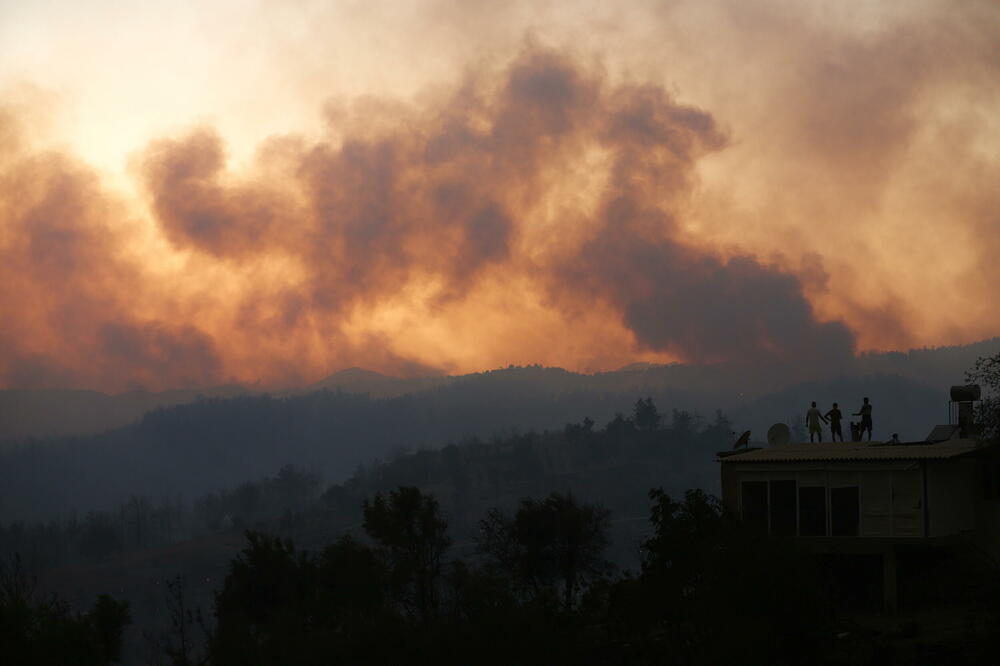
(834, 416)
(813, 417)
(866, 418)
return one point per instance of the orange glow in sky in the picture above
(264, 192)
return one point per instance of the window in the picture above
(991, 480)
(812, 511)
(754, 504)
(782, 508)
(769, 506)
(844, 510)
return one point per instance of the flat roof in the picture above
(850, 451)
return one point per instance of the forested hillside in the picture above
(191, 449)
(47, 413)
(639, 449)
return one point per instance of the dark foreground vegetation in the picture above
(538, 590)
(642, 450)
(465, 555)
(36, 629)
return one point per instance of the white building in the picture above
(871, 497)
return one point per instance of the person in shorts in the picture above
(866, 418)
(834, 416)
(813, 418)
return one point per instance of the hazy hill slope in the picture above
(46, 413)
(940, 366)
(60, 413)
(375, 384)
(198, 447)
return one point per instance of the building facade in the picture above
(872, 498)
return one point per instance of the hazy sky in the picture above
(264, 192)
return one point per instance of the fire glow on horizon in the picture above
(264, 192)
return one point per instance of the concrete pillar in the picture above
(890, 588)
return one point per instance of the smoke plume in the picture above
(543, 205)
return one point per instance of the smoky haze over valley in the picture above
(226, 436)
(28, 413)
(452, 313)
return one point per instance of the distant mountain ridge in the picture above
(59, 413)
(375, 384)
(192, 449)
(26, 413)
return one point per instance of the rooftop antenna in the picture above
(778, 435)
(743, 441)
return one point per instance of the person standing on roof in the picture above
(813, 417)
(834, 416)
(866, 418)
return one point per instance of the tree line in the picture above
(538, 589)
(643, 448)
(141, 523)
(42, 630)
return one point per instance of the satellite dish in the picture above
(778, 434)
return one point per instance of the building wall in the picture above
(908, 505)
(986, 503)
(887, 499)
(951, 490)
(730, 488)
(876, 503)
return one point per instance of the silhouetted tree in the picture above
(352, 580)
(412, 537)
(986, 373)
(263, 609)
(99, 537)
(279, 605)
(619, 426)
(181, 645)
(713, 593)
(552, 543)
(137, 511)
(295, 488)
(721, 428)
(108, 619)
(45, 632)
(578, 431)
(683, 422)
(647, 417)
(247, 500)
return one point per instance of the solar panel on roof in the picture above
(941, 433)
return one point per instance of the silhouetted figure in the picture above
(813, 418)
(834, 416)
(855, 431)
(744, 440)
(866, 419)
(895, 439)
